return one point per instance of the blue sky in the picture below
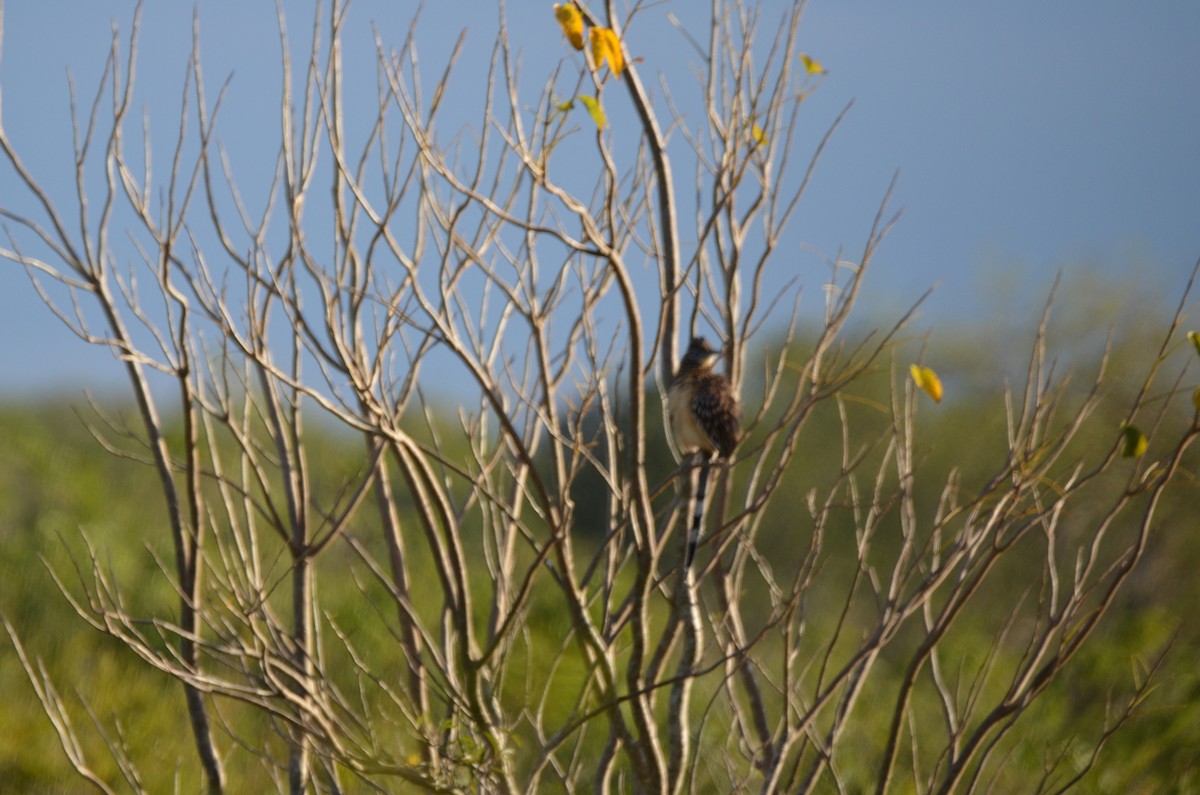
(1028, 135)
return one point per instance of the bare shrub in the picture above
(491, 598)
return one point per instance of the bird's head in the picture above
(700, 354)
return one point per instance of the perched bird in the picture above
(705, 421)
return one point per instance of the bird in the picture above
(705, 421)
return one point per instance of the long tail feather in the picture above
(697, 524)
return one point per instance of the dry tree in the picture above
(519, 619)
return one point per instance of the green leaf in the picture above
(594, 110)
(1133, 442)
(811, 65)
(1194, 336)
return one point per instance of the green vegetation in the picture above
(949, 563)
(64, 493)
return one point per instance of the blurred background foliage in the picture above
(61, 492)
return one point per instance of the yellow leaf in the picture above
(758, 135)
(1133, 442)
(606, 48)
(1194, 336)
(593, 107)
(571, 20)
(927, 381)
(1196, 399)
(811, 65)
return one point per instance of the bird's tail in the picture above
(698, 499)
